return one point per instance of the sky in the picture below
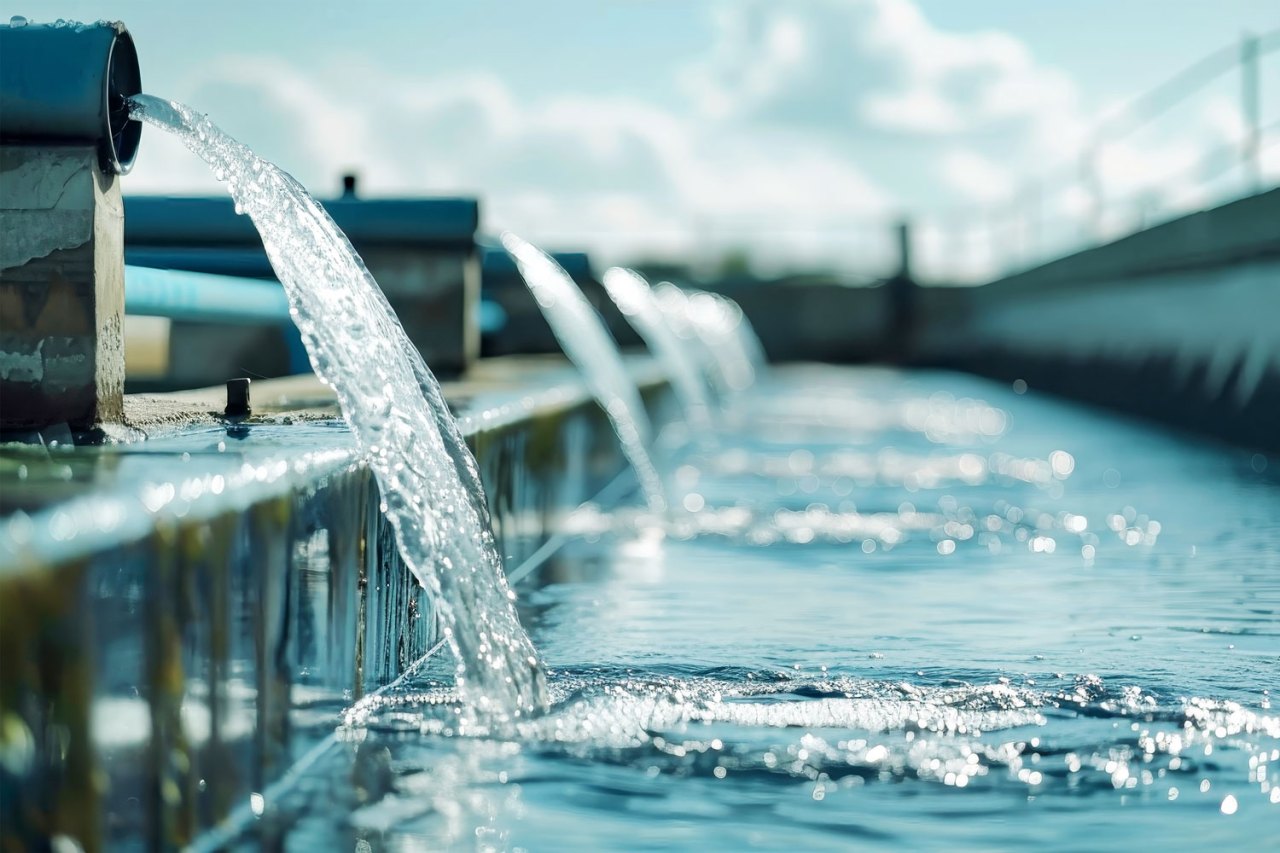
(792, 130)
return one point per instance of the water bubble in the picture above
(1063, 463)
(18, 21)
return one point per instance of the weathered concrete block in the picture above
(61, 289)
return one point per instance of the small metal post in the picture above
(904, 249)
(238, 398)
(902, 300)
(1251, 148)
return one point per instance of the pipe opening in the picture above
(124, 80)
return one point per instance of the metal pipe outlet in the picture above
(69, 83)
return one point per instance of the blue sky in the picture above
(657, 127)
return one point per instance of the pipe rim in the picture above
(123, 80)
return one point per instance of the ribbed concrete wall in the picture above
(1180, 322)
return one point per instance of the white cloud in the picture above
(975, 176)
(795, 123)
(753, 57)
(617, 174)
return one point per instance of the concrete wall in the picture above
(61, 289)
(815, 321)
(1179, 322)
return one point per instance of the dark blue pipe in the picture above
(159, 221)
(68, 83)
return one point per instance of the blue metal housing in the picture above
(167, 221)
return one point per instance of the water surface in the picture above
(909, 611)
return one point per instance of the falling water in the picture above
(721, 323)
(746, 338)
(698, 317)
(585, 340)
(429, 480)
(631, 293)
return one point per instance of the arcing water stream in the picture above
(699, 318)
(587, 343)
(634, 298)
(429, 480)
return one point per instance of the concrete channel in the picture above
(183, 618)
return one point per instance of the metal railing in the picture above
(1114, 187)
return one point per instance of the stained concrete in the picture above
(183, 617)
(61, 288)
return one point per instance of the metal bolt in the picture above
(238, 398)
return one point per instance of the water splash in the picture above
(634, 298)
(585, 340)
(429, 480)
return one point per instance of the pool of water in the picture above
(894, 610)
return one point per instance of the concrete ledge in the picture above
(1242, 231)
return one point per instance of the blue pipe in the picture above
(205, 298)
(181, 295)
